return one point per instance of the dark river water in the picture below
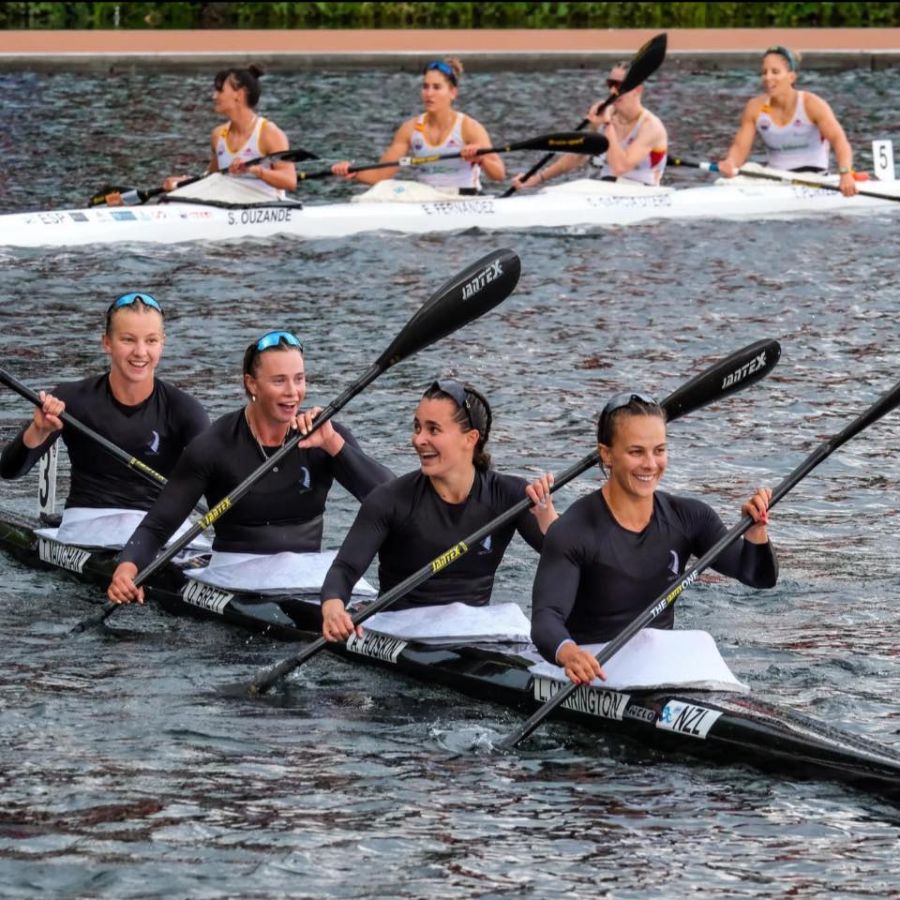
(124, 773)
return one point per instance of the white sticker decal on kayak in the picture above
(63, 555)
(685, 718)
(585, 699)
(378, 646)
(458, 207)
(206, 597)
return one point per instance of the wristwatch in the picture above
(844, 170)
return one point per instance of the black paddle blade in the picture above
(588, 143)
(462, 299)
(734, 373)
(646, 61)
(298, 154)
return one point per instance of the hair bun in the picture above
(255, 70)
(456, 65)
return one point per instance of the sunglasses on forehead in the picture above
(132, 298)
(617, 402)
(442, 67)
(274, 338)
(620, 401)
(456, 392)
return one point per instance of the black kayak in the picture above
(723, 727)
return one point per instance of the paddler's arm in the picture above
(751, 560)
(821, 115)
(399, 148)
(282, 175)
(363, 540)
(475, 136)
(186, 485)
(552, 601)
(565, 163)
(33, 441)
(622, 159)
(743, 140)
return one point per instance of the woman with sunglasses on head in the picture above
(245, 136)
(283, 511)
(417, 517)
(796, 127)
(148, 418)
(612, 552)
(442, 130)
(637, 141)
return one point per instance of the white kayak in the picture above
(576, 205)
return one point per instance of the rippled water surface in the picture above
(125, 774)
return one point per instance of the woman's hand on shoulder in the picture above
(757, 507)
(336, 622)
(581, 665)
(539, 493)
(45, 421)
(122, 588)
(324, 437)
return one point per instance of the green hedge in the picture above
(448, 15)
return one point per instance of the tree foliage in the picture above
(528, 14)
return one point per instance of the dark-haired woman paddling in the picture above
(148, 418)
(245, 136)
(796, 127)
(283, 510)
(612, 552)
(415, 518)
(441, 130)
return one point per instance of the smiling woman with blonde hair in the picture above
(148, 418)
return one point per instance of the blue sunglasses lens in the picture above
(136, 297)
(442, 67)
(274, 338)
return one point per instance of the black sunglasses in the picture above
(456, 392)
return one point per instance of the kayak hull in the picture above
(711, 725)
(576, 206)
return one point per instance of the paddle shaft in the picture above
(719, 379)
(569, 141)
(646, 61)
(880, 408)
(132, 462)
(787, 178)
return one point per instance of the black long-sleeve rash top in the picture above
(408, 525)
(155, 432)
(281, 512)
(595, 576)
